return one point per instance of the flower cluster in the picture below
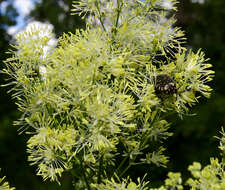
(209, 177)
(126, 184)
(212, 176)
(4, 185)
(96, 97)
(174, 181)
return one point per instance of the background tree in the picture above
(57, 13)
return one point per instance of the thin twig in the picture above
(121, 164)
(100, 169)
(85, 177)
(100, 16)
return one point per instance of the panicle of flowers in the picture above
(174, 181)
(50, 148)
(126, 184)
(97, 96)
(29, 57)
(210, 177)
(192, 75)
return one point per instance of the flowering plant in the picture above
(4, 184)
(95, 104)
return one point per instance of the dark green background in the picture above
(193, 138)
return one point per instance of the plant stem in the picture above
(85, 177)
(100, 169)
(121, 164)
(142, 144)
(100, 16)
(124, 171)
(119, 7)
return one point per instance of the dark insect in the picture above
(164, 85)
